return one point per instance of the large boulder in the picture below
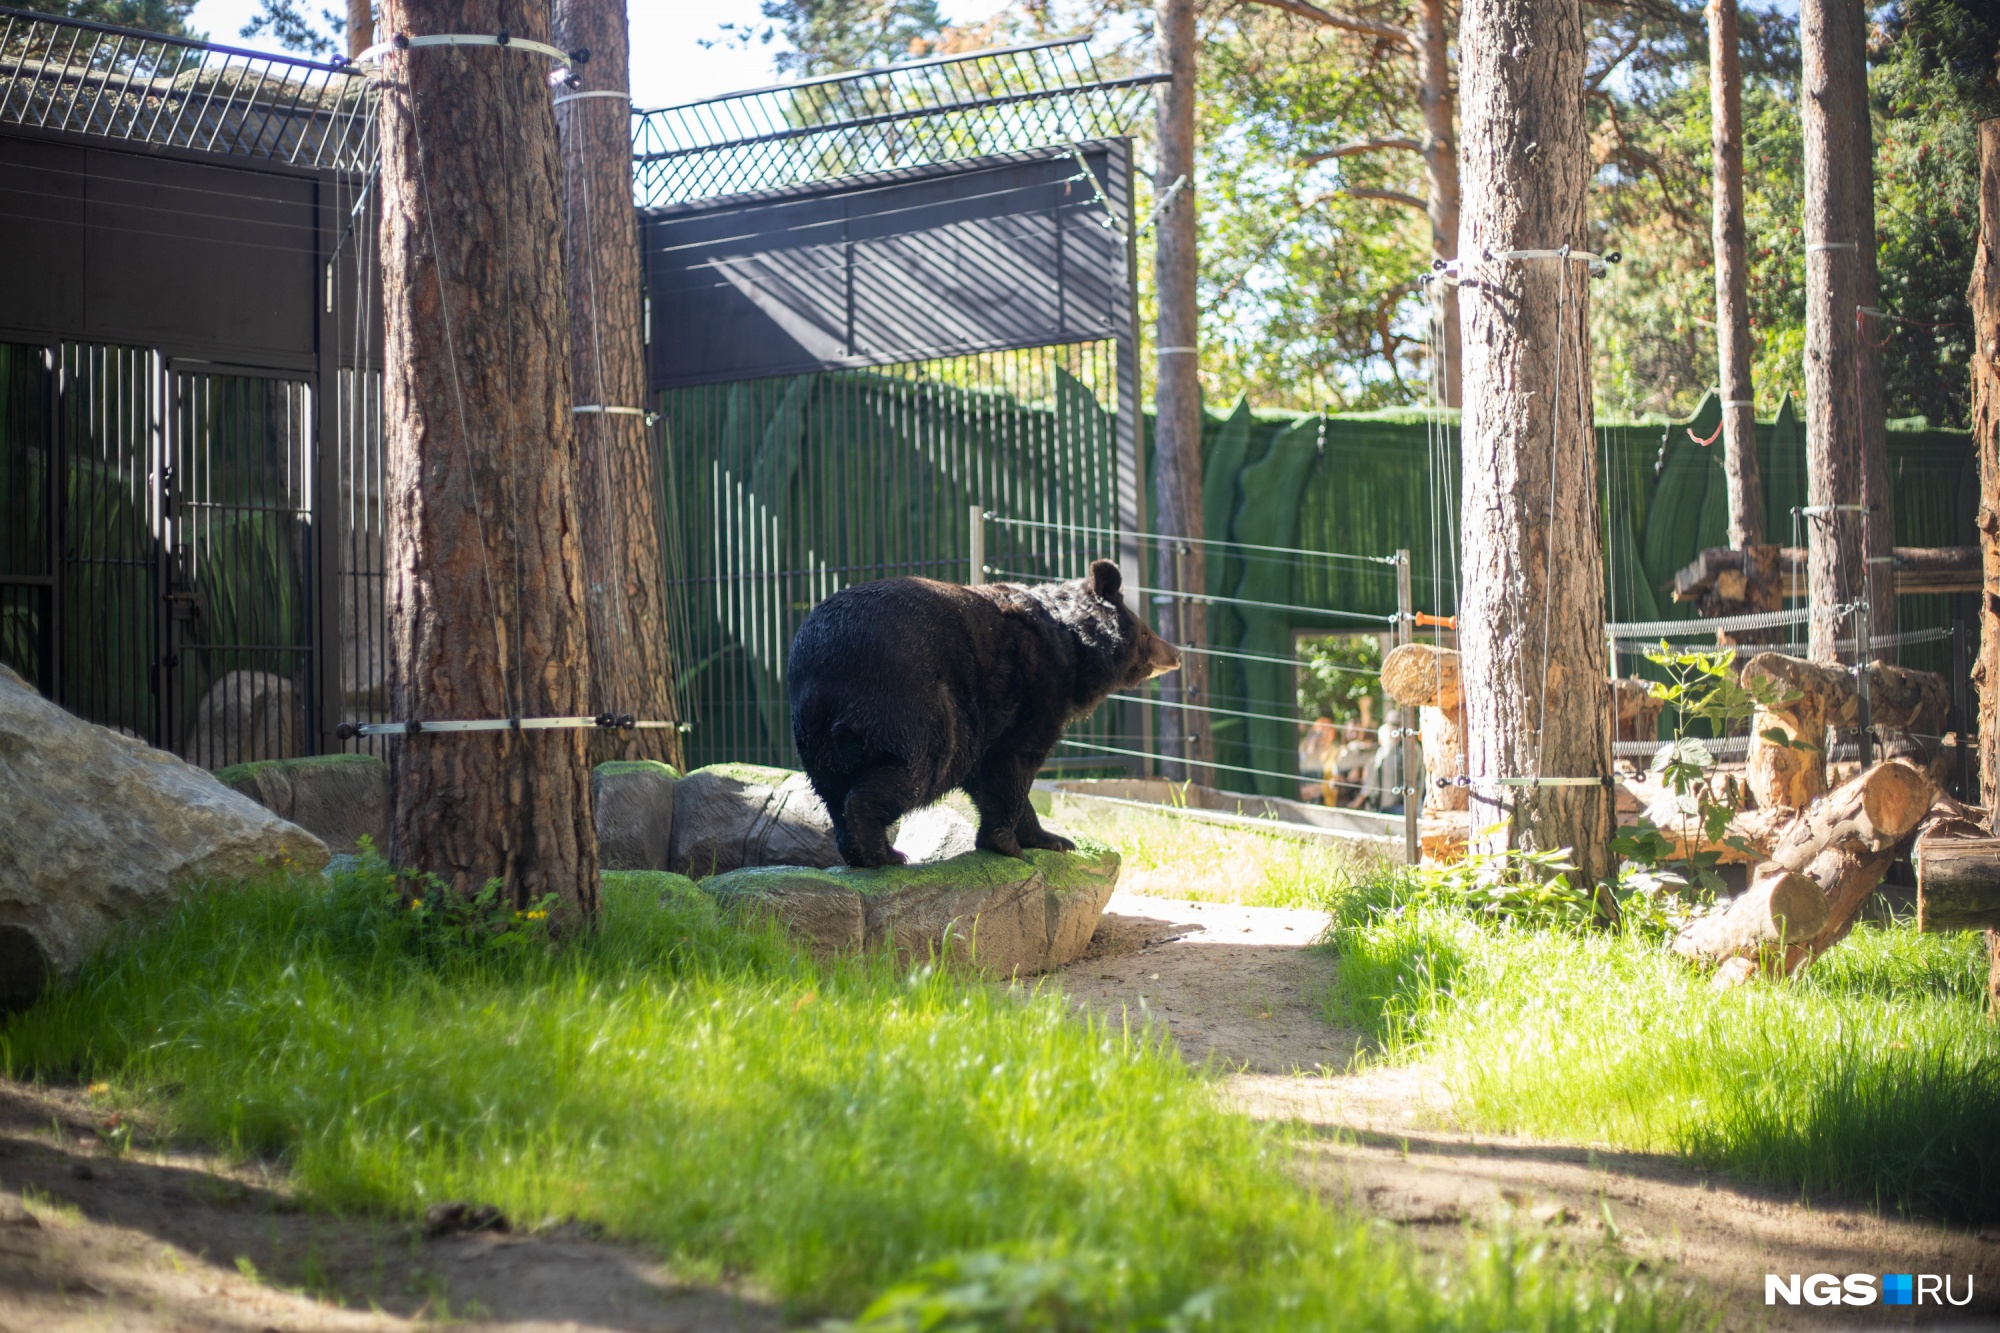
(1008, 917)
(338, 798)
(246, 716)
(634, 804)
(727, 816)
(97, 829)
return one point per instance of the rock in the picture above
(98, 829)
(935, 833)
(338, 798)
(1008, 917)
(727, 816)
(460, 1216)
(246, 716)
(634, 801)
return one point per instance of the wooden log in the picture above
(1958, 883)
(1917, 570)
(1793, 774)
(1425, 677)
(1635, 713)
(1899, 699)
(1846, 841)
(1780, 907)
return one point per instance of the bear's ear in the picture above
(1105, 579)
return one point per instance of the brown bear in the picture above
(904, 689)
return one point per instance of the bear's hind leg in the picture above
(872, 805)
(1007, 821)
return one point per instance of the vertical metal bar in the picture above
(1131, 482)
(324, 694)
(1412, 790)
(976, 546)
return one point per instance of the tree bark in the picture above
(1834, 77)
(486, 604)
(1958, 883)
(1983, 300)
(618, 482)
(1732, 281)
(360, 26)
(1531, 630)
(1184, 733)
(1440, 150)
(1846, 841)
(1778, 908)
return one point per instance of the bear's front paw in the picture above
(1004, 843)
(1043, 840)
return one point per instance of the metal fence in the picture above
(78, 77)
(908, 114)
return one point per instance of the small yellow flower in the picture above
(99, 1089)
(416, 903)
(536, 916)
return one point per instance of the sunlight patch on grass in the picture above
(1873, 1075)
(853, 1138)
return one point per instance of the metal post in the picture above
(1861, 656)
(976, 574)
(1961, 716)
(1406, 625)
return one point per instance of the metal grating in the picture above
(904, 115)
(139, 87)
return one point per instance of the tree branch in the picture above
(1388, 32)
(1391, 196)
(1364, 146)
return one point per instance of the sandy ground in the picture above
(172, 1242)
(1240, 990)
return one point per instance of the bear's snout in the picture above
(1160, 657)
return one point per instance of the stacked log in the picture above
(1842, 845)
(1424, 677)
(1635, 713)
(1793, 773)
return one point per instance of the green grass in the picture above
(959, 1155)
(1873, 1075)
(1170, 856)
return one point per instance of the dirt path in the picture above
(1240, 991)
(180, 1242)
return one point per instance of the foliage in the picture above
(957, 1154)
(1700, 687)
(162, 16)
(295, 28)
(1872, 1075)
(1338, 672)
(827, 36)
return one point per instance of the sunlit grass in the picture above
(1171, 856)
(831, 1135)
(1874, 1075)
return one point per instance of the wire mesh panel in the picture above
(782, 491)
(239, 504)
(901, 115)
(110, 588)
(361, 541)
(139, 87)
(27, 513)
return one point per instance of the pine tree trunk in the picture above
(1983, 300)
(1732, 281)
(1184, 732)
(1440, 178)
(1833, 78)
(485, 596)
(618, 483)
(360, 26)
(1531, 618)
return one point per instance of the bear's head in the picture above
(1152, 655)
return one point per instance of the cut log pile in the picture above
(1424, 677)
(1725, 582)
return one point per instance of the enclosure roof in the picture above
(148, 89)
(912, 113)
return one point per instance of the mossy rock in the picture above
(1006, 916)
(651, 767)
(339, 798)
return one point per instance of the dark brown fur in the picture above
(905, 689)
